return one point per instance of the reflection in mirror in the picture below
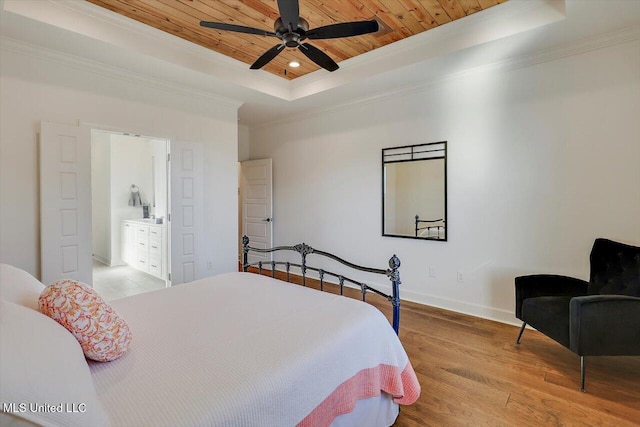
(414, 191)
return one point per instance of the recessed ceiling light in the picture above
(294, 64)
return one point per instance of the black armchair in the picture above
(596, 318)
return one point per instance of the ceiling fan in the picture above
(293, 30)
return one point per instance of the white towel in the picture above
(134, 199)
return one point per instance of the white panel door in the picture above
(65, 203)
(257, 206)
(187, 210)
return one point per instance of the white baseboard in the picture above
(102, 260)
(477, 310)
(108, 262)
(485, 312)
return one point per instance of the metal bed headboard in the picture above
(303, 249)
(430, 225)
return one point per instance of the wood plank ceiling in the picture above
(398, 19)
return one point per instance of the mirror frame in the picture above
(411, 153)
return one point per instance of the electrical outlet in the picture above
(433, 272)
(460, 277)
(210, 265)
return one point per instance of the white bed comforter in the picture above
(239, 350)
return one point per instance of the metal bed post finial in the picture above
(394, 276)
(245, 252)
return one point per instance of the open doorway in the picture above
(130, 206)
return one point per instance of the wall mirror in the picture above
(414, 191)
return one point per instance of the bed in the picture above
(242, 349)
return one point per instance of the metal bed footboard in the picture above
(303, 249)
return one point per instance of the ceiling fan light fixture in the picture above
(294, 64)
(293, 30)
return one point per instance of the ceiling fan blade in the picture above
(267, 57)
(345, 29)
(236, 28)
(289, 13)
(318, 56)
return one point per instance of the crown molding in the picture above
(588, 44)
(34, 51)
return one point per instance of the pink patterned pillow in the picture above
(102, 334)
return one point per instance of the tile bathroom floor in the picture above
(122, 281)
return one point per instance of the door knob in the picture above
(267, 220)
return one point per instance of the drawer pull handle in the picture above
(142, 262)
(154, 266)
(154, 247)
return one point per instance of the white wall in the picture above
(541, 160)
(159, 148)
(244, 143)
(101, 196)
(37, 87)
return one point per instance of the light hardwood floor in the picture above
(473, 374)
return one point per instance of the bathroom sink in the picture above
(152, 220)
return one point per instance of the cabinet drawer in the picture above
(155, 236)
(142, 233)
(156, 240)
(155, 268)
(143, 262)
(155, 250)
(143, 246)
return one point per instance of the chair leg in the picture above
(583, 369)
(521, 332)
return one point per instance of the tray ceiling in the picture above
(398, 19)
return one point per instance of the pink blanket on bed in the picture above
(402, 385)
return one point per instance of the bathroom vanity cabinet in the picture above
(144, 246)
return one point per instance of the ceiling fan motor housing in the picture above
(291, 38)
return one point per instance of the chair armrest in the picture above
(547, 285)
(605, 325)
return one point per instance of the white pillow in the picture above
(42, 364)
(19, 287)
